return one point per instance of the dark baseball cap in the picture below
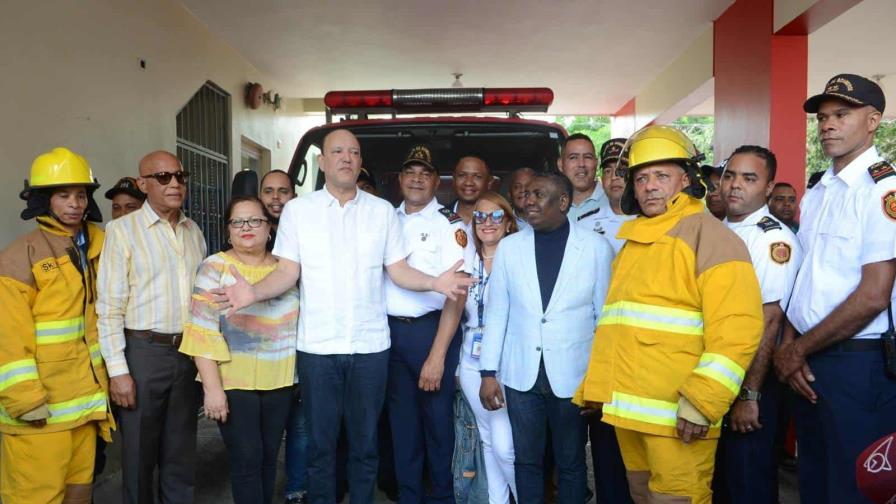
(127, 185)
(421, 155)
(611, 150)
(853, 89)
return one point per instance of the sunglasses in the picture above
(497, 216)
(164, 178)
(253, 222)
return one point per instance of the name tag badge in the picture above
(476, 350)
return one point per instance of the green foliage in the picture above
(885, 140)
(596, 127)
(700, 130)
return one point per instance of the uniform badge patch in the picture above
(448, 214)
(880, 171)
(889, 202)
(461, 237)
(767, 224)
(588, 214)
(780, 252)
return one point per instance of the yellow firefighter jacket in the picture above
(683, 316)
(49, 351)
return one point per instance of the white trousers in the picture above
(497, 439)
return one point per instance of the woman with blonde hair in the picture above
(492, 221)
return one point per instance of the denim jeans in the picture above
(339, 389)
(252, 433)
(296, 449)
(468, 464)
(531, 413)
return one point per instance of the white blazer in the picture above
(518, 333)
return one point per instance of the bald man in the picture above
(338, 242)
(145, 283)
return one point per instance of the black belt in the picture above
(411, 320)
(155, 337)
(857, 345)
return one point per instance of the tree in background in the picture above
(700, 130)
(596, 127)
(816, 160)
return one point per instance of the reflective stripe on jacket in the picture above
(683, 317)
(49, 352)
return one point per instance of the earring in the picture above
(228, 240)
(270, 237)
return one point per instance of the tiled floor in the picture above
(214, 486)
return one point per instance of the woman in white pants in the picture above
(492, 221)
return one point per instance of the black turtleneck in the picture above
(549, 248)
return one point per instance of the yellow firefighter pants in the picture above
(50, 468)
(664, 470)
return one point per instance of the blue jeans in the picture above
(296, 449)
(339, 389)
(531, 413)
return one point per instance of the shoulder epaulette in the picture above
(880, 171)
(767, 224)
(451, 216)
(588, 214)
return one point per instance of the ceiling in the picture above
(859, 41)
(594, 54)
(855, 42)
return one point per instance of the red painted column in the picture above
(742, 71)
(760, 86)
(787, 135)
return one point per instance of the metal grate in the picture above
(203, 147)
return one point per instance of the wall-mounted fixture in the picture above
(272, 100)
(254, 95)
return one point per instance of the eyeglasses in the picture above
(253, 222)
(164, 178)
(497, 216)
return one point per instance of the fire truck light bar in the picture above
(441, 100)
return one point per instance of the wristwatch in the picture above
(748, 395)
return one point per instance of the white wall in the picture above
(69, 76)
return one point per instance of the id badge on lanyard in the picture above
(476, 347)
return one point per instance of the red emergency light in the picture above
(440, 100)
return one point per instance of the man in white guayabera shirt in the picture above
(340, 239)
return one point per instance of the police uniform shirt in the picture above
(775, 252)
(436, 239)
(606, 222)
(597, 199)
(846, 221)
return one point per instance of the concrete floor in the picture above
(213, 484)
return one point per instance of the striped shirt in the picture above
(256, 348)
(145, 279)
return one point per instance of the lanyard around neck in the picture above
(480, 297)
